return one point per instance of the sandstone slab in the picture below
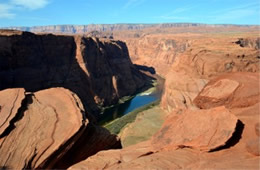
(10, 102)
(51, 119)
(232, 90)
(201, 129)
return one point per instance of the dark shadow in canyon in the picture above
(145, 68)
(37, 62)
(93, 138)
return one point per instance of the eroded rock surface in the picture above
(99, 71)
(201, 129)
(50, 123)
(10, 102)
(157, 50)
(249, 42)
(180, 91)
(216, 138)
(231, 90)
(200, 63)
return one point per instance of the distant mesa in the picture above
(80, 29)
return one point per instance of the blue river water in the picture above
(131, 105)
(128, 106)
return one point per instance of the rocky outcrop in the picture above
(205, 130)
(212, 96)
(242, 99)
(249, 42)
(213, 138)
(99, 71)
(230, 91)
(156, 51)
(47, 125)
(202, 62)
(180, 91)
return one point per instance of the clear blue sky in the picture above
(56, 12)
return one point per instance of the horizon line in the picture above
(158, 23)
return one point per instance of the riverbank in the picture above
(145, 125)
(130, 103)
(116, 125)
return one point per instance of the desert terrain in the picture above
(54, 86)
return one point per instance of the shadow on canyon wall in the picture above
(145, 68)
(98, 72)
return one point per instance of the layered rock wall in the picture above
(98, 71)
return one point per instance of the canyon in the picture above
(54, 86)
(98, 71)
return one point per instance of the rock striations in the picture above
(44, 126)
(212, 99)
(50, 88)
(98, 71)
(213, 138)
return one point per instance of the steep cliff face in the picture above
(156, 50)
(98, 71)
(201, 63)
(189, 61)
(212, 100)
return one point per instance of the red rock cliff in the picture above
(98, 71)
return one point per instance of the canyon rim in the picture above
(159, 95)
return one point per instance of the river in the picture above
(134, 103)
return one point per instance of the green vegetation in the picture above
(116, 125)
(145, 90)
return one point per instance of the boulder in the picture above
(48, 125)
(232, 90)
(205, 130)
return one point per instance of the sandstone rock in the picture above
(92, 140)
(98, 71)
(231, 90)
(257, 129)
(249, 42)
(180, 90)
(52, 123)
(189, 61)
(51, 119)
(253, 146)
(213, 128)
(194, 139)
(10, 102)
(201, 129)
(156, 51)
(223, 135)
